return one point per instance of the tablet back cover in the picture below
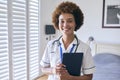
(73, 62)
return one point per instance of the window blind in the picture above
(4, 60)
(34, 39)
(19, 39)
(19, 50)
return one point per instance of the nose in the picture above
(65, 24)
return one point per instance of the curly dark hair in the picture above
(68, 7)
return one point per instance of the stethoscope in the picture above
(59, 44)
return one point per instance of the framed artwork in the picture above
(111, 14)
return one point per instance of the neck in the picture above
(67, 40)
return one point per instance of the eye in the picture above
(61, 21)
(70, 21)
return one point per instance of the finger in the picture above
(61, 65)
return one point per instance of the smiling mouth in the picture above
(66, 29)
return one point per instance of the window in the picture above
(4, 59)
(19, 39)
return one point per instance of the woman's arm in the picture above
(65, 75)
(53, 70)
(47, 70)
(84, 77)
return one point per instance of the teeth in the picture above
(65, 29)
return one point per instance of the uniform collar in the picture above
(73, 42)
(69, 47)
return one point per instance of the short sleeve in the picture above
(88, 66)
(45, 61)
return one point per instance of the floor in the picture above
(44, 77)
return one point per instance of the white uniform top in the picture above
(52, 56)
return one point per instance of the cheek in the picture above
(59, 26)
(73, 26)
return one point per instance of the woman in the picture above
(67, 18)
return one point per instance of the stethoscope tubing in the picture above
(58, 40)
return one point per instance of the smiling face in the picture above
(67, 24)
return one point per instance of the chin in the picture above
(66, 33)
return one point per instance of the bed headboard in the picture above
(98, 47)
(106, 48)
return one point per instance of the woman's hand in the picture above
(62, 72)
(60, 68)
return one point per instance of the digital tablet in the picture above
(73, 62)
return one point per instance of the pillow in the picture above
(107, 67)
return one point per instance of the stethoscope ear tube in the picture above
(77, 43)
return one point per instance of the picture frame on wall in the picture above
(111, 14)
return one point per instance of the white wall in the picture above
(92, 10)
